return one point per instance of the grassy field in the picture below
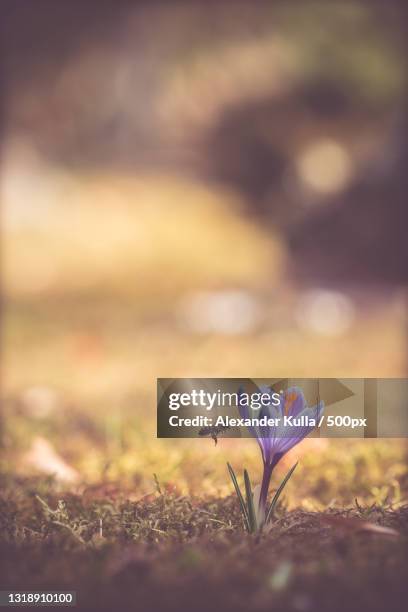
(95, 299)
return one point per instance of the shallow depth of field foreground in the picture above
(186, 193)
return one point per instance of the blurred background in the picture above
(193, 190)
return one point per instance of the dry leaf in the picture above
(353, 524)
(43, 457)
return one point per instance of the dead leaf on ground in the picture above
(42, 457)
(353, 524)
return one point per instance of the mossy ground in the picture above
(164, 550)
(81, 355)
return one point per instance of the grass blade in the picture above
(239, 495)
(250, 503)
(278, 494)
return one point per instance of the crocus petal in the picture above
(276, 440)
(290, 436)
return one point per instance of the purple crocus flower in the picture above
(276, 440)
